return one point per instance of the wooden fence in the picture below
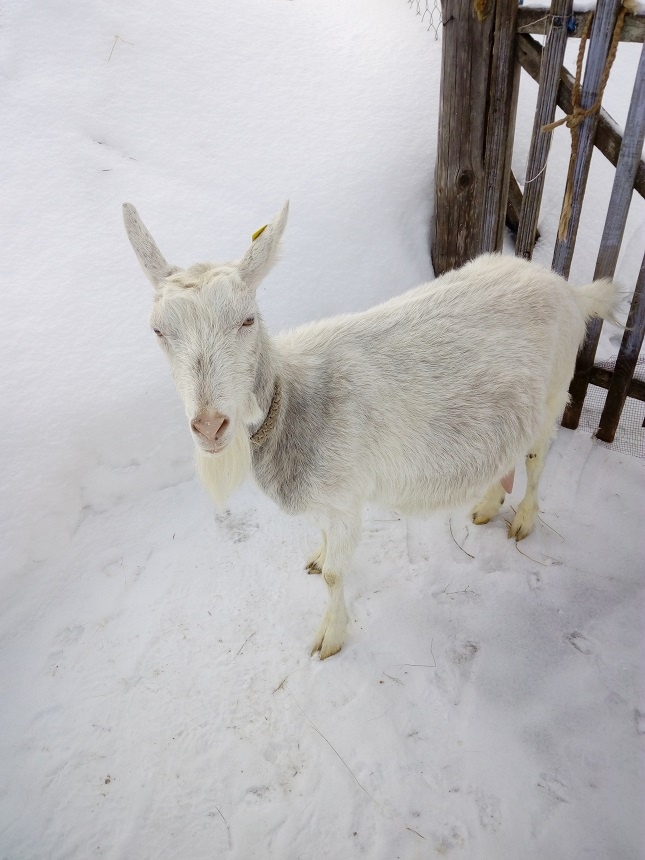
(485, 44)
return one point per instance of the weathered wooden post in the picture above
(476, 121)
(503, 90)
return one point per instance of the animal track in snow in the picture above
(69, 635)
(580, 642)
(257, 793)
(535, 581)
(240, 528)
(554, 787)
(490, 813)
(464, 653)
(454, 838)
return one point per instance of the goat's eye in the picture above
(157, 332)
(248, 321)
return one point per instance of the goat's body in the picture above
(422, 403)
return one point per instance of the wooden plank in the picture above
(625, 363)
(535, 20)
(610, 243)
(602, 378)
(550, 67)
(459, 170)
(602, 31)
(608, 136)
(621, 192)
(502, 108)
(514, 207)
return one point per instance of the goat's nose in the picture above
(210, 425)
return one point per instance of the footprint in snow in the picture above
(554, 787)
(69, 635)
(580, 642)
(535, 581)
(240, 527)
(490, 813)
(464, 653)
(452, 679)
(257, 793)
(455, 837)
(554, 792)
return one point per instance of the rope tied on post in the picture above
(578, 113)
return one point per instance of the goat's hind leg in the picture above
(488, 507)
(317, 561)
(527, 510)
(341, 539)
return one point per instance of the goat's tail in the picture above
(599, 299)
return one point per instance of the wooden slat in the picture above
(625, 363)
(608, 137)
(502, 108)
(610, 243)
(621, 192)
(537, 21)
(601, 35)
(602, 378)
(514, 207)
(550, 67)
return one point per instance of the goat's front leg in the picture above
(341, 539)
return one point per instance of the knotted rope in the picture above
(578, 113)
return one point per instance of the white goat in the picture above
(421, 403)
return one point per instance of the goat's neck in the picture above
(267, 371)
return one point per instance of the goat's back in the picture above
(425, 400)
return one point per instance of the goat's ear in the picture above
(149, 256)
(257, 261)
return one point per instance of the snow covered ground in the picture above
(158, 700)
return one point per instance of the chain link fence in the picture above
(430, 12)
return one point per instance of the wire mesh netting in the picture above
(630, 436)
(430, 12)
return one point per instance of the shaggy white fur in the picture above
(424, 402)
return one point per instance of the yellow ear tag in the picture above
(258, 232)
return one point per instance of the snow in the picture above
(158, 696)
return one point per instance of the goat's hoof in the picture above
(480, 519)
(326, 650)
(521, 527)
(316, 561)
(330, 637)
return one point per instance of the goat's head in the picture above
(207, 321)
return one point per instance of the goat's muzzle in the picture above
(209, 428)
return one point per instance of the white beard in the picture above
(223, 473)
